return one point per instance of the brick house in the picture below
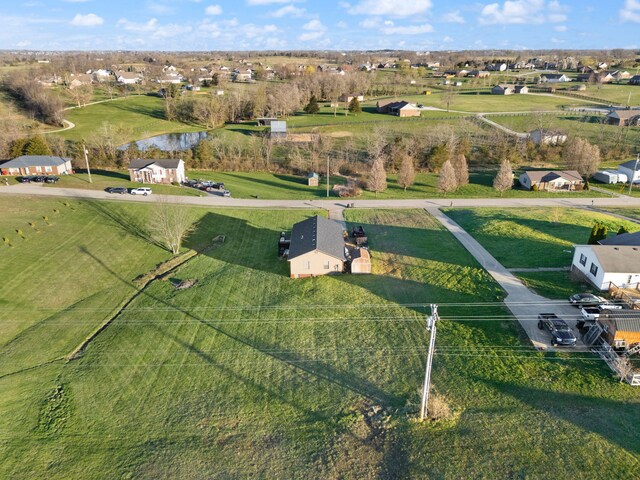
(157, 171)
(37, 165)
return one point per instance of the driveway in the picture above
(523, 303)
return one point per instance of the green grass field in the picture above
(534, 237)
(245, 376)
(137, 117)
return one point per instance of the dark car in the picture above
(561, 333)
(51, 179)
(586, 300)
(120, 190)
(27, 179)
(39, 179)
(218, 186)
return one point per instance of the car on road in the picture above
(141, 191)
(586, 300)
(120, 190)
(561, 333)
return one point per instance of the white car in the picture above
(141, 191)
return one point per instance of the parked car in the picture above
(39, 179)
(141, 191)
(120, 190)
(586, 300)
(51, 179)
(226, 193)
(27, 179)
(561, 333)
(590, 314)
(218, 186)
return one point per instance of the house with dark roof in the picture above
(37, 165)
(620, 328)
(628, 239)
(554, 78)
(635, 80)
(623, 118)
(603, 265)
(552, 180)
(631, 169)
(167, 170)
(317, 248)
(398, 108)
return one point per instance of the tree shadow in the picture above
(106, 173)
(294, 186)
(593, 414)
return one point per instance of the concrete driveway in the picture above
(523, 303)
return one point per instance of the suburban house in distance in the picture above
(37, 164)
(635, 80)
(399, 109)
(624, 118)
(157, 171)
(347, 98)
(554, 78)
(504, 89)
(317, 248)
(631, 169)
(602, 265)
(620, 328)
(552, 180)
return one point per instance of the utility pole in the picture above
(633, 174)
(431, 326)
(327, 177)
(86, 161)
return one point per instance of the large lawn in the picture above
(250, 374)
(133, 118)
(535, 237)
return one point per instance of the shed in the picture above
(360, 261)
(621, 328)
(313, 179)
(278, 129)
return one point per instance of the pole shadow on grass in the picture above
(316, 368)
(589, 413)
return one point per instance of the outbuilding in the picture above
(610, 176)
(313, 179)
(620, 328)
(360, 261)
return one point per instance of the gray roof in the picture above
(139, 163)
(545, 176)
(35, 161)
(317, 233)
(618, 258)
(624, 114)
(624, 320)
(627, 239)
(631, 165)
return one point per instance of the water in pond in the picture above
(169, 141)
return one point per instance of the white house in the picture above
(554, 78)
(631, 169)
(602, 265)
(157, 171)
(552, 180)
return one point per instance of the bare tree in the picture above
(504, 178)
(580, 155)
(447, 181)
(170, 224)
(407, 172)
(461, 168)
(377, 181)
(625, 368)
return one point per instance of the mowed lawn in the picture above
(533, 237)
(250, 374)
(135, 118)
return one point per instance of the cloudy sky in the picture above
(318, 24)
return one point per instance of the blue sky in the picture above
(318, 24)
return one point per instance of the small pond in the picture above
(169, 141)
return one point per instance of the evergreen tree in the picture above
(377, 181)
(622, 230)
(447, 181)
(18, 147)
(312, 107)
(594, 234)
(602, 233)
(354, 105)
(504, 177)
(37, 146)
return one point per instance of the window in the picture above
(326, 265)
(307, 265)
(48, 169)
(38, 169)
(594, 269)
(619, 343)
(583, 259)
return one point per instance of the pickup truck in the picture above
(590, 314)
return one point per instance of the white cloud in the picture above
(631, 11)
(342, 24)
(314, 30)
(89, 20)
(519, 12)
(393, 8)
(408, 29)
(560, 28)
(76, 1)
(447, 39)
(290, 10)
(453, 17)
(213, 10)
(370, 23)
(149, 26)
(160, 8)
(268, 2)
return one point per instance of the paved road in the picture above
(523, 303)
(331, 204)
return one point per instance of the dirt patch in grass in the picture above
(341, 134)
